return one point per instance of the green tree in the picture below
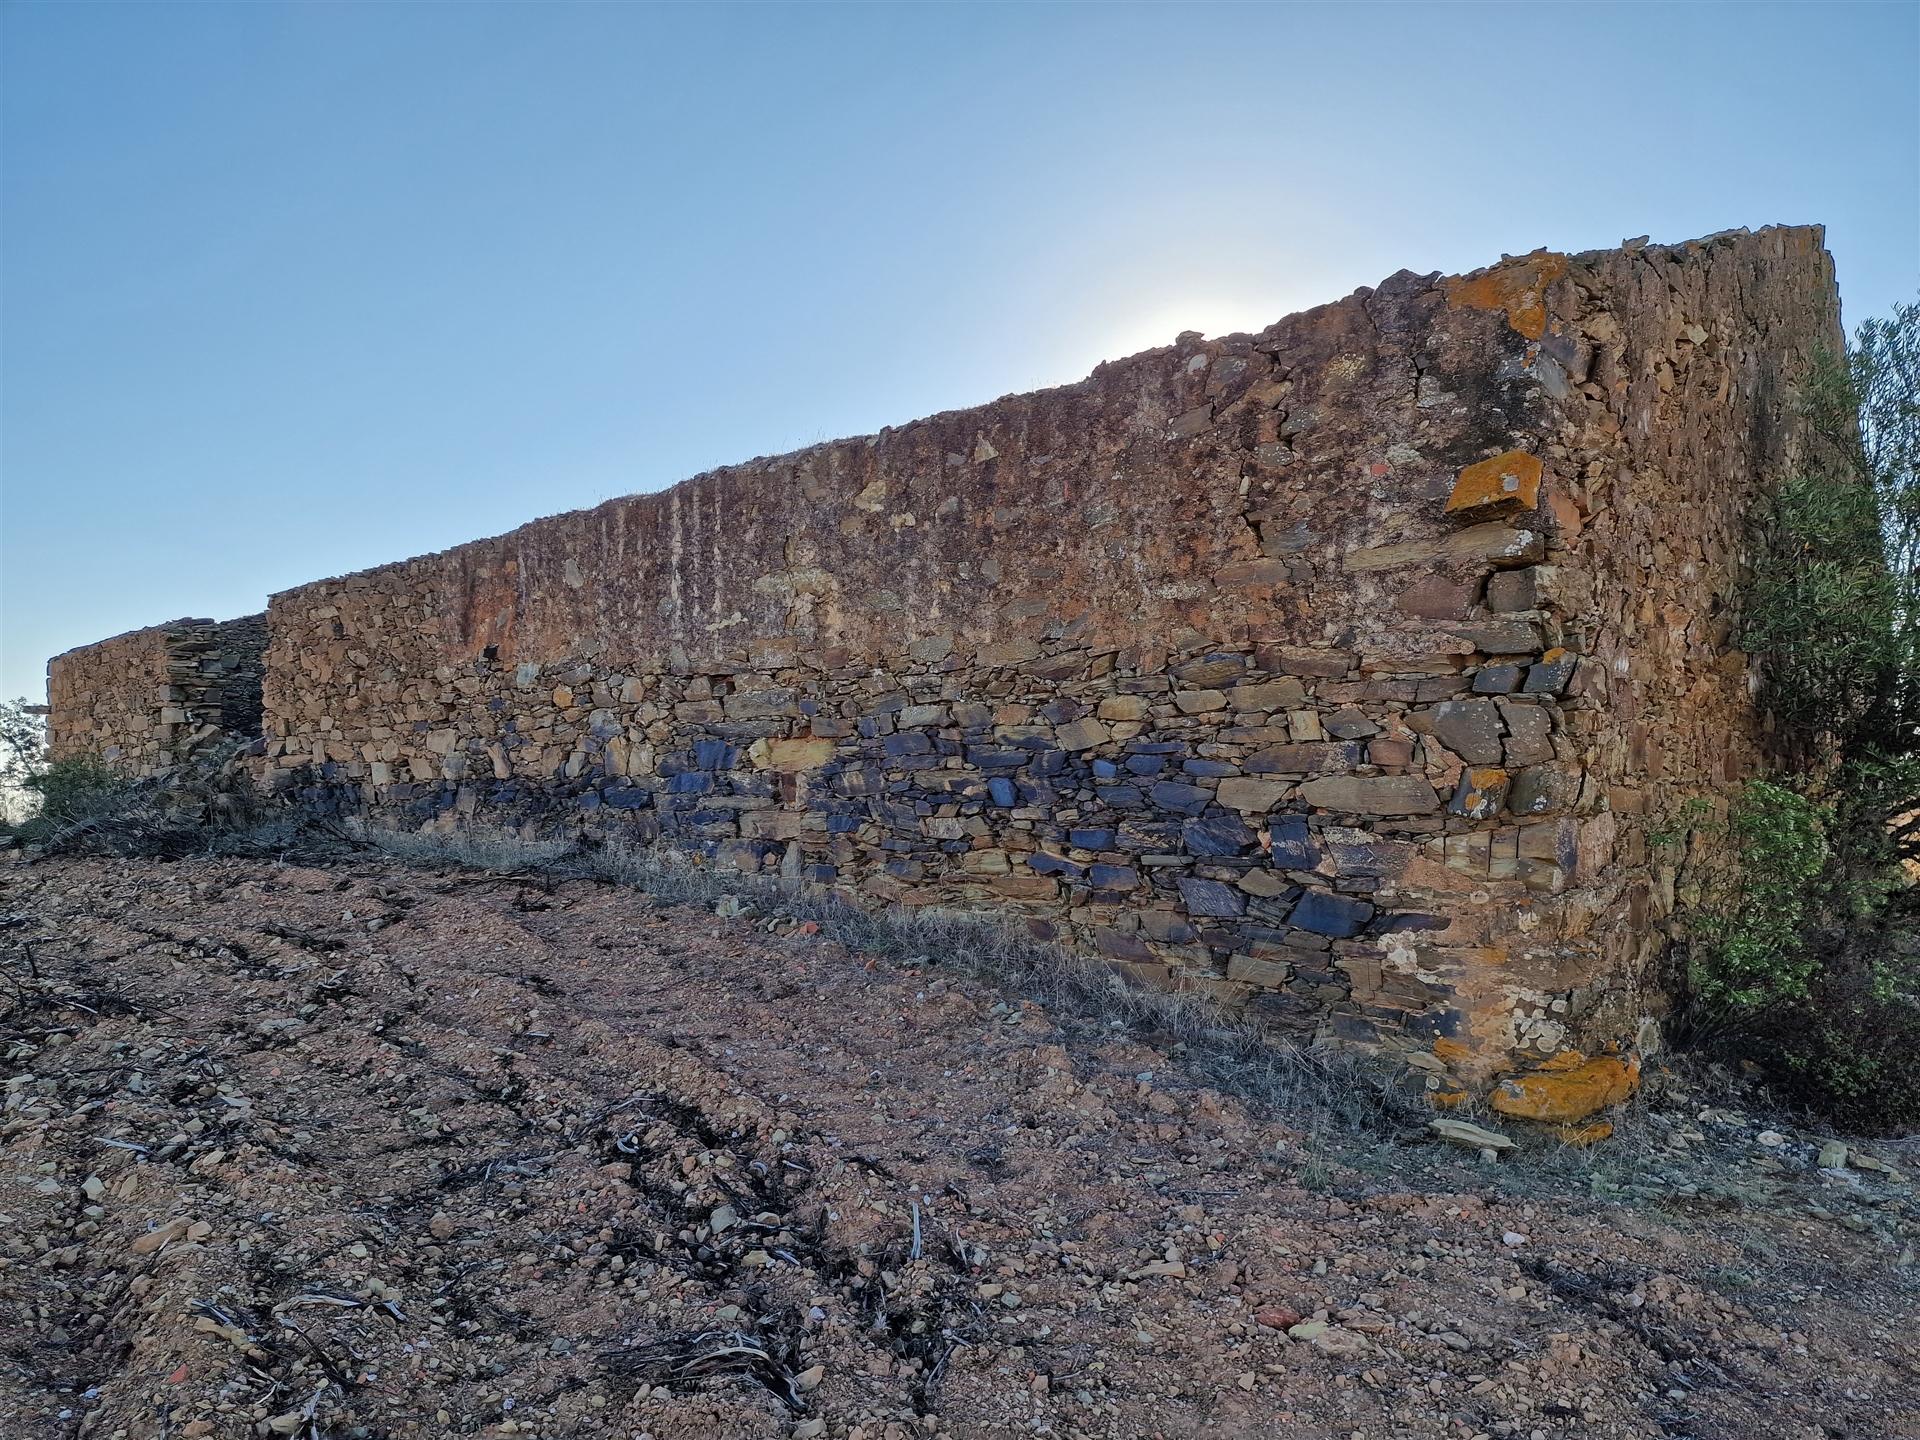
(23, 755)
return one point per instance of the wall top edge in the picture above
(185, 622)
(1812, 236)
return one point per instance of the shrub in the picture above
(76, 789)
(1746, 949)
(1803, 932)
(1847, 1053)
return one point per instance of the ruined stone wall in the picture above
(1336, 671)
(144, 701)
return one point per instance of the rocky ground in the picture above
(378, 1150)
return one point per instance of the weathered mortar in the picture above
(147, 700)
(1337, 670)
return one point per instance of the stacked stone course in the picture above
(145, 701)
(1336, 671)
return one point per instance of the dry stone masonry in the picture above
(1338, 672)
(145, 701)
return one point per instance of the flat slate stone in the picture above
(1210, 670)
(1292, 842)
(1551, 672)
(1371, 794)
(1240, 793)
(1084, 735)
(1182, 799)
(1308, 758)
(1514, 590)
(1208, 769)
(1529, 733)
(1217, 835)
(1360, 853)
(1210, 897)
(1350, 724)
(1469, 728)
(1044, 864)
(1542, 790)
(1334, 915)
(1282, 694)
(1481, 792)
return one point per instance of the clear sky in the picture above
(290, 290)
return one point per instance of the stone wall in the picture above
(1336, 671)
(144, 701)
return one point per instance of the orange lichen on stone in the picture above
(1482, 791)
(1451, 1051)
(1519, 288)
(1509, 479)
(1568, 1088)
(1591, 1133)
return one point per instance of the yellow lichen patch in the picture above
(1447, 1099)
(1519, 288)
(1567, 1088)
(1509, 479)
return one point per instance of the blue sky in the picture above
(290, 290)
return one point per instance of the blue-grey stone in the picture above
(1210, 769)
(1550, 677)
(1334, 915)
(712, 755)
(1167, 928)
(1293, 845)
(1044, 864)
(1211, 897)
(989, 757)
(1217, 835)
(1090, 839)
(1181, 799)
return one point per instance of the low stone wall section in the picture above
(145, 701)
